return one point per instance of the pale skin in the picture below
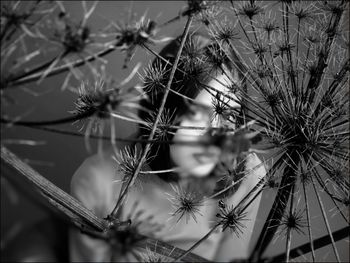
(199, 161)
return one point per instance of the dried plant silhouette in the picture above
(293, 61)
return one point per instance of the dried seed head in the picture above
(155, 78)
(249, 9)
(186, 202)
(302, 12)
(221, 110)
(231, 218)
(163, 131)
(224, 32)
(128, 159)
(294, 221)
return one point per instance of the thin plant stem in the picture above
(123, 194)
(37, 68)
(289, 230)
(277, 210)
(325, 220)
(324, 187)
(197, 243)
(317, 243)
(308, 219)
(62, 68)
(57, 197)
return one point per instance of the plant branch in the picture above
(57, 197)
(122, 196)
(61, 69)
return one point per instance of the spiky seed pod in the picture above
(249, 9)
(271, 181)
(230, 217)
(73, 36)
(191, 56)
(154, 78)
(186, 202)
(260, 49)
(128, 159)
(224, 32)
(96, 103)
(284, 48)
(97, 99)
(294, 221)
(216, 57)
(137, 33)
(270, 27)
(303, 12)
(163, 132)
(221, 110)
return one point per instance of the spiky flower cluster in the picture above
(155, 78)
(230, 217)
(163, 131)
(96, 100)
(128, 159)
(72, 36)
(186, 202)
(294, 221)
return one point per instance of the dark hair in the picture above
(193, 71)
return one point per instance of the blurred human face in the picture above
(199, 160)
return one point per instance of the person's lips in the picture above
(207, 156)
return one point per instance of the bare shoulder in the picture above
(95, 170)
(255, 167)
